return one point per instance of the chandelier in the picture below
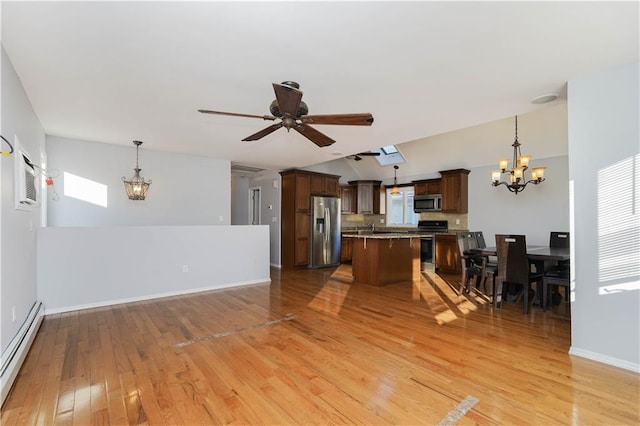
(136, 187)
(517, 181)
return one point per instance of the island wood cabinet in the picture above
(348, 200)
(346, 248)
(455, 191)
(297, 188)
(368, 196)
(447, 256)
(427, 187)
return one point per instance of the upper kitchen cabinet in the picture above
(368, 196)
(295, 227)
(348, 194)
(322, 184)
(427, 186)
(455, 191)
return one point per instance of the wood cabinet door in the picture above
(317, 185)
(303, 193)
(447, 257)
(455, 191)
(420, 188)
(301, 244)
(365, 198)
(347, 199)
(346, 250)
(331, 186)
(434, 186)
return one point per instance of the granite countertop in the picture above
(382, 235)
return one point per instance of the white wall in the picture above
(185, 189)
(271, 196)
(239, 203)
(535, 212)
(87, 267)
(603, 134)
(18, 227)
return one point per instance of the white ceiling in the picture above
(118, 71)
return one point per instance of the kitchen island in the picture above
(385, 258)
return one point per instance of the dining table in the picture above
(542, 257)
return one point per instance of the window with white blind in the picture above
(400, 207)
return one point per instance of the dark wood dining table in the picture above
(534, 253)
(542, 257)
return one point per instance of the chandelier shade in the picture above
(136, 186)
(517, 182)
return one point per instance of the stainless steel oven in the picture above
(428, 243)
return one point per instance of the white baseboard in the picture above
(101, 304)
(594, 356)
(16, 352)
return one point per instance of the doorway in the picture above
(254, 206)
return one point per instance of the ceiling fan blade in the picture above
(264, 132)
(369, 153)
(339, 119)
(313, 135)
(288, 99)
(237, 114)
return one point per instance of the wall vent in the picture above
(241, 168)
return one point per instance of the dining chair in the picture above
(489, 263)
(513, 266)
(470, 267)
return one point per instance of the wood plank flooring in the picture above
(314, 348)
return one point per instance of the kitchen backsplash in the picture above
(363, 220)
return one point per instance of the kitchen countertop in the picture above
(383, 235)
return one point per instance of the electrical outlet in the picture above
(185, 268)
(221, 218)
(457, 221)
(274, 219)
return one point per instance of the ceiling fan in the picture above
(289, 108)
(358, 156)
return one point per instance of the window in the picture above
(400, 207)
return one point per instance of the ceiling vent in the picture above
(241, 168)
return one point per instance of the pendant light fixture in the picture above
(395, 189)
(136, 187)
(516, 174)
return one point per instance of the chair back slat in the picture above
(559, 240)
(480, 240)
(513, 263)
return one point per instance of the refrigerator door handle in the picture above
(327, 215)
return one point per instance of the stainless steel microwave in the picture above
(427, 203)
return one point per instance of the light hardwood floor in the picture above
(313, 348)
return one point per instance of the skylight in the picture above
(389, 155)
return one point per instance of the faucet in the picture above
(373, 226)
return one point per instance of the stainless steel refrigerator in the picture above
(325, 231)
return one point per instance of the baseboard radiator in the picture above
(13, 356)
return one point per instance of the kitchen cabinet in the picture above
(324, 185)
(455, 191)
(368, 196)
(295, 225)
(346, 248)
(447, 256)
(427, 186)
(348, 194)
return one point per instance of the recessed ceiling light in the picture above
(543, 99)
(336, 153)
